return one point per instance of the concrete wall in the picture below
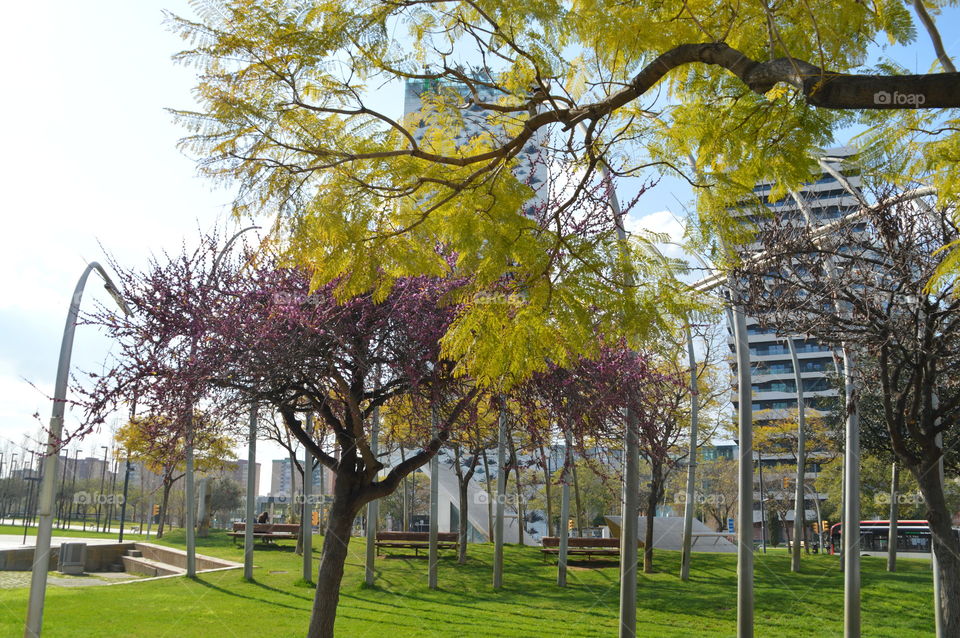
(99, 557)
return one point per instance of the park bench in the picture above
(583, 546)
(415, 540)
(267, 532)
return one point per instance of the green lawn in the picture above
(221, 604)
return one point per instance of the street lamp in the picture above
(41, 555)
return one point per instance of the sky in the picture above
(91, 168)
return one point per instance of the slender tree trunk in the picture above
(945, 545)
(656, 485)
(335, 543)
(546, 484)
(167, 485)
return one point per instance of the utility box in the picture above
(73, 557)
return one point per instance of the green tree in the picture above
(746, 89)
(160, 447)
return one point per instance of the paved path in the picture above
(15, 541)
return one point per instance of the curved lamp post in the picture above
(41, 555)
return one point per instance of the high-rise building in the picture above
(774, 391)
(531, 168)
(773, 384)
(286, 481)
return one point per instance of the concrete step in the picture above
(147, 567)
(136, 553)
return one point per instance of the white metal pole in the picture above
(41, 554)
(306, 517)
(799, 499)
(691, 461)
(745, 487)
(190, 502)
(251, 495)
(851, 506)
(501, 488)
(373, 507)
(564, 531)
(434, 507)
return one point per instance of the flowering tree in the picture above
(256, 333)
(158, 443)
(588, 400)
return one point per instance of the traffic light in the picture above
(824, 525)
(786, 482)
(570, 524)
(314, 518)
(156, 510)
(816, 527)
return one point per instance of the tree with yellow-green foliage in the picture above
(287, 109)
(157, 443)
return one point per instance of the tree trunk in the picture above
(945, 545)
(656, 485)
(167, 485)
(462, 527)
(335, 543)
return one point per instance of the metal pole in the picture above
(306, 518)
(799, 499)
(894, 514)
(123, 505)
(851, 506)
(41, 555)
(564, 531)
(251, 495)
(939, 623)
(691, 461)
(73, 487)
(434, 508)
(763, 502)
(373, 507)
(631, 450)
(61, 501)
(103, 475)
(501, 488)
(190, 503)
(745, 487)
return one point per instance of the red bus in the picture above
(913, 538)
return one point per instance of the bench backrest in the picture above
(582, 541)
(443, 537)
(268, 528)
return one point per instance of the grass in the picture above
(278, 604)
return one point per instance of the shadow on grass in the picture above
(256, 599)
